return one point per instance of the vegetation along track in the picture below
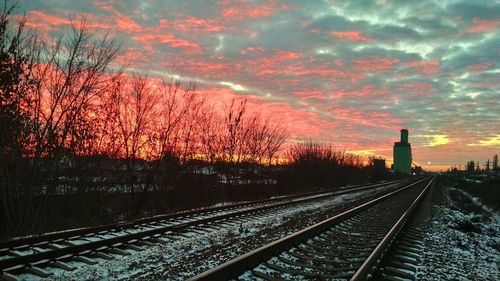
(345, 247)
(31, 255)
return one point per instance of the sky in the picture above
(347, 73)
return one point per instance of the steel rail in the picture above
(52, 255)
(370, 263)
(131, 223)
(251, 259)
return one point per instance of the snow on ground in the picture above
(462, 241)
(198, 250)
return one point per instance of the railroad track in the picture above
(33, 255)
(347, 246)
(404, 256)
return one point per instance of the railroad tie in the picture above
(38, 250)
(103, 256)
(15, 253)
(406, 266)
(313, 266)
(198, 231)
(85, 260)
(134, 247)
(212, 227)
(55, 246)
(35, 270)
(146, 243)
(296, 272)
(405, 258)
(407, 254)
(63, 265)
(159, 240)
(119, 251)
(8, 277)
(399, 272)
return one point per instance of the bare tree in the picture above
(209, 134)
(233, 132)
(134, 112)
(276, 137)
(175, 104)
(74, 71)
(190, 125)
(17, 59)
(263, 138)
(495, 162)
(55, 85)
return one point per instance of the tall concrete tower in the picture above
(402, 154)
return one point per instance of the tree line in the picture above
(475, 167)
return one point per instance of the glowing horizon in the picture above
(351, 74)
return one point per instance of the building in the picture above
(402, 154)
(379, 164)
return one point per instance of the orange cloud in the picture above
(46, 22)
(127, 24)
(427, 67)
(191, 25)
(375, 64)
(170, 40)
(482, 26)
(38, 19)
(246, 9)
(286, 55)
(213, 69)
(325, 71)
(274, 64)
(365, 91)
(369, 119)
(419, 90)
(121, 22)
(252, 49)
(417, 87)
(312, 93)
(478, 67)
(238, 13)
(132, 56)
(354, 36)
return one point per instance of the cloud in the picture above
(482, 26)
(435, 140)
(375, 64)
(349, 72)
(491, 141)
(355, 36)
(233, 86)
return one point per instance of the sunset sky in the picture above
(348, 73)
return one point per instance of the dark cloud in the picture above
(468, 10)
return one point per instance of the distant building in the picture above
(379, 164)
(418, 170)
(402, 154)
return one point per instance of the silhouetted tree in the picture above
(17, 54)
(470, 166)
(47, 92)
